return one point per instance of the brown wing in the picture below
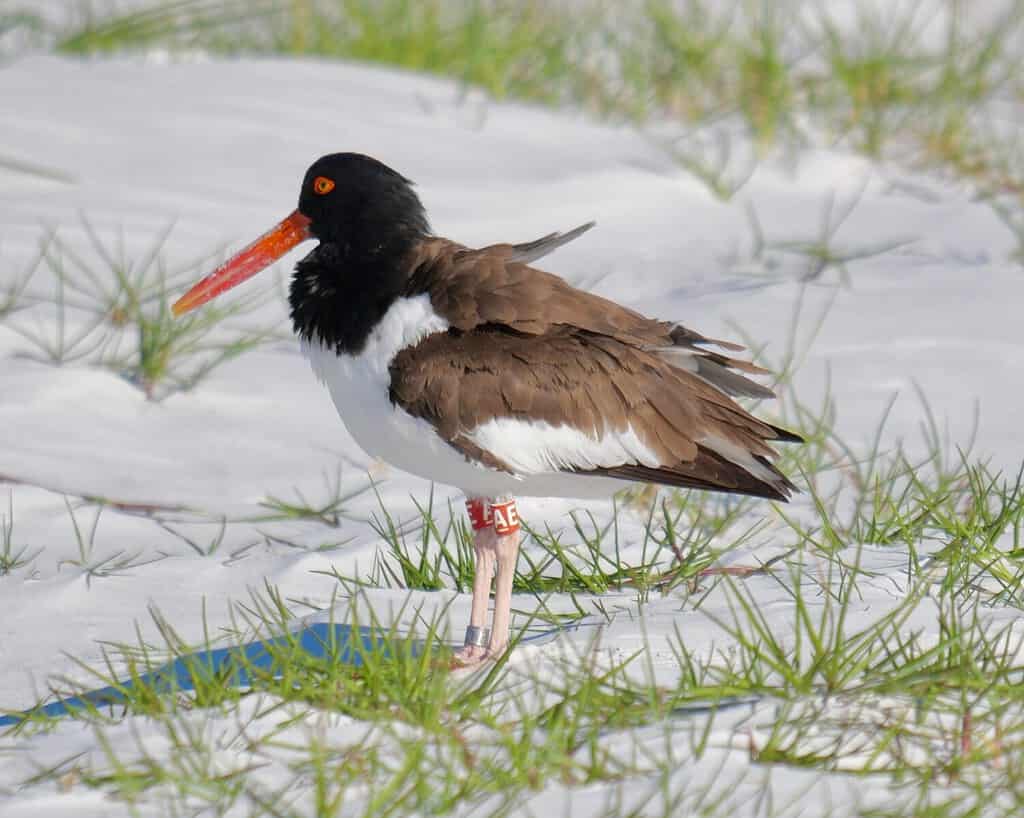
(493, 287)
(594, 383)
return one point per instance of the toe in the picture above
(468, 656)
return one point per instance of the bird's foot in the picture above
(470, 656)
(475, 648)
(475, 655)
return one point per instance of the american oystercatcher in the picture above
(475, 369)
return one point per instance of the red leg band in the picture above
(479, 512)
(506, 517)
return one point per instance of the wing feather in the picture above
(565, 401)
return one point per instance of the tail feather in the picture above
(785, 435)
(530, 251)
(710, 472)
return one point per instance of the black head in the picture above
(367, 218)
(360, 204)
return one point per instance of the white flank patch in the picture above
(535, 447)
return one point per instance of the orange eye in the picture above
(323, 185)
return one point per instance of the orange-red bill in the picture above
(267, 249)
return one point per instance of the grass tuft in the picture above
(12, 557)
(111, 310)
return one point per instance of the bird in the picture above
(475, 368)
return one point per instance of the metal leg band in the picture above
(477, 637)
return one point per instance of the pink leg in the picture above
(507, 551)
(483, 547)
(495, 542)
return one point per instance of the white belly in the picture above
(359, 387)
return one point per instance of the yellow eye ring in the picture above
(323, 185)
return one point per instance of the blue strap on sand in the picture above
(319, 641)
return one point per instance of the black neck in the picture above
(338, 294)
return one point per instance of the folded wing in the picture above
(569, 400)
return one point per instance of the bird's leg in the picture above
(506, 550)
(477, 636)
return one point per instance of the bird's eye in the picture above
(323, 185)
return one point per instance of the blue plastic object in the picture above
(319, 641)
